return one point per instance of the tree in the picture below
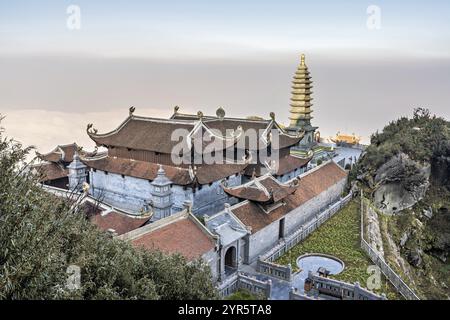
(41, 236)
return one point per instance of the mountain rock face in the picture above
(405, 173)
(440, 170)
(400, 183)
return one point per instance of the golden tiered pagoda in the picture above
(301, 96)
(300, 112)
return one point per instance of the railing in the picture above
(274, 270)
(306, 229)
(241, 281)
(342, 290)
(388, 272)
(295, 295)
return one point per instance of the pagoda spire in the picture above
(300, 113)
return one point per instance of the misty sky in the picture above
(200, 55)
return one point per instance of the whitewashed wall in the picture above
(131, 193)
(267, 238)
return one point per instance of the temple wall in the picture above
(211, 199)
(212, 259)
(123, 192)
(267, 238)
(131, 193)
(291, 175)
(262, 241)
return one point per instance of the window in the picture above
(281, 229)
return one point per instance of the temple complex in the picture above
(214, 187)
(124, 175)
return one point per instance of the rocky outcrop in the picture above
(400, 183)
(373, 231)
(440, 171)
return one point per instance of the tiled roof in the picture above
(147, 170)
(121, 223)
(310, 185)
(263, 189)
(62, 153)
(50, 171)
(153, 134)
(182, 236)
(286, 164)
(278, 190)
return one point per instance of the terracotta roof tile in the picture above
(50, 171)
(62, 153)
(263, 189)
(152, 134)
(286, 164)
(121, 223)
(149, 134)
(181, 236)
(310, 185)
(147, 170)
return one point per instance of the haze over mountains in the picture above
(202, 55)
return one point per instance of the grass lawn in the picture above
(340, 237)
(243, 294)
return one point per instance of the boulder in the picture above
(404, 239)
(428, 213)
(401, 183)
(415, 257)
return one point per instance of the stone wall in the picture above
(241, 281)
(291, 175)
(131, 193)
(262, 241)
(267, 237)
(120, 191)
(274, 270)
(342, 290)
(211, 199)
(305, 213)
(267, 259)
(212, 259)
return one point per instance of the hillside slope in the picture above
(406, 173)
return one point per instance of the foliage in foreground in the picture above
(41, 237)
(340, 237)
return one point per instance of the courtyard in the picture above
(338, 237)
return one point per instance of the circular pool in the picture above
(313, 261)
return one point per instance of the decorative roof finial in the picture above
(200, 115)
(220, 113)
(76, 156)
(272, 116)
(175, 109)
(132, 110)
(302, 59)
